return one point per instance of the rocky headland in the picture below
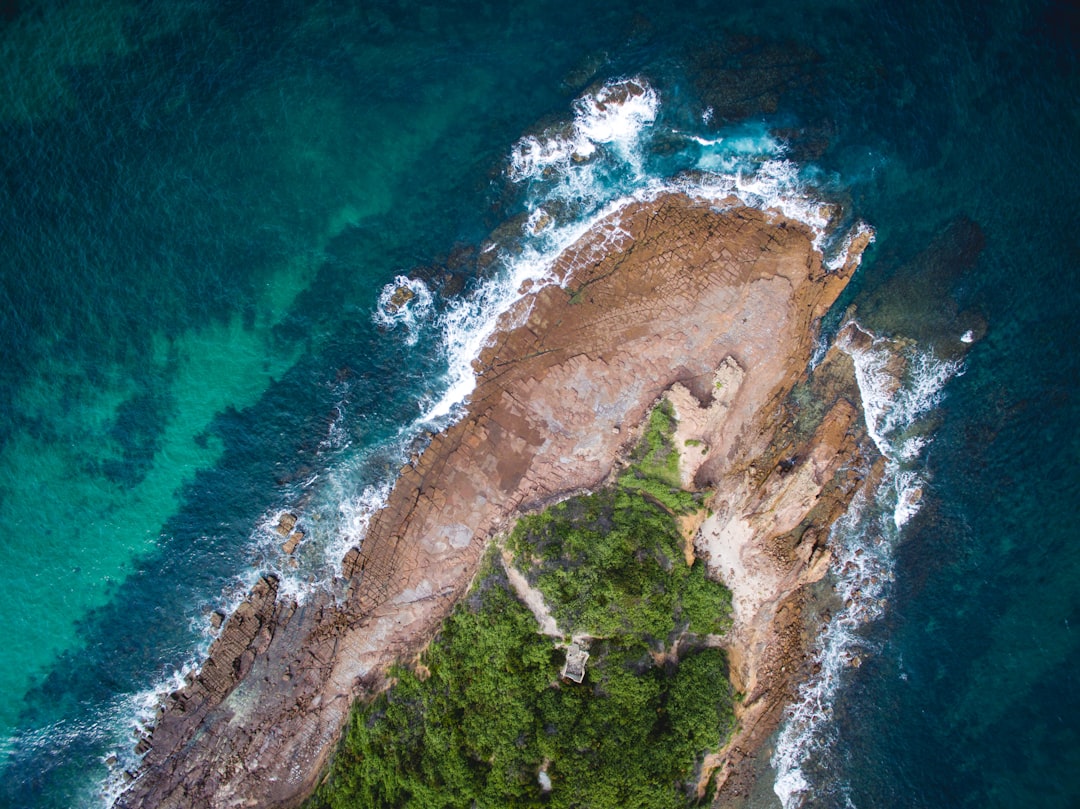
(716, 309)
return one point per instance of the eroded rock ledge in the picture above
(571, 374)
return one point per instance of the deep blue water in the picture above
(201, 204)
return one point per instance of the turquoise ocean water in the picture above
(202, 204)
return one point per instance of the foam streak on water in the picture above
(896, 397)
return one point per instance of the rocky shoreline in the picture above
(692, 297)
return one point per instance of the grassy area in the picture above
(486, 712)
(654, 468)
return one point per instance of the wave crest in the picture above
(404, 302)
(899, 385)
(613, 115)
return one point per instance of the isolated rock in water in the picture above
(286, 523)
(402, 295)
(290, 544)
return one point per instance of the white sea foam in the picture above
(132, 716)
(469, 325)
(268, 557)
(411, 309)
(538, 220)
(908, 486)
(334, 521)
(700, 141)
(840, 257)
(575, 178)
(773, 186)
(891, 406)
(355, 515)
(611, 116)
(337, 433)
(896, 396)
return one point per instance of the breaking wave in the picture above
(407, 303)
(138, 712)
(612, 116)
(899, 386)
(577, 177)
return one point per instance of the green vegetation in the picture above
(485, 711)
(695, 442)
(611, 564)
(655, 455)
(477, 729)
(654, 469)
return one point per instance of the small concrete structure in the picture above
(574, 668)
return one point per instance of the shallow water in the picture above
(202, 204)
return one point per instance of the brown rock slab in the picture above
(690, 287)
(286, 523)
(289, 545)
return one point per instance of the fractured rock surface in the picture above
(559, 393)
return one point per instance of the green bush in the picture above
(654, 467)
(611, 563)
(490, 710)
(477, 730)
(706, 606)
(674, 499)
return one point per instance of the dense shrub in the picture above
(486, 712)
(490, 712)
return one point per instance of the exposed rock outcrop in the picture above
(689, 288)
(699, 421)
(766, 537)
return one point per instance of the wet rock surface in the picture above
(766, 538)
(559, 392)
